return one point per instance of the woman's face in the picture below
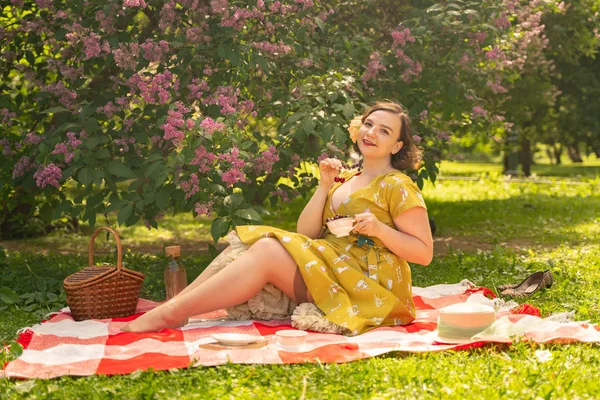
(378, 136)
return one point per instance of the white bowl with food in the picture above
(291, 339)
(341, 227)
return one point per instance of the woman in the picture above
(359, 281)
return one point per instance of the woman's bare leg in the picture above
(204, 275)
(267, 261)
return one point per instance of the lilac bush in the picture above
(210, 107)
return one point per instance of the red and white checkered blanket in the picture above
(62, 346)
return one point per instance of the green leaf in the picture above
(132, 220)
(124, 213)
(234, 58)
(153, 223)
(30, 58)
(91, 126)
(101, 154)
(234, 201)
(55, 110)
(320, 23)
(8, 296)
(216, 188)
(436, 7)
(163, 196)
(222, 51)
(264, 65)
(153, 168)
(115, 205)
(295, 117)
(63, 207)
(348, 110)
(307, 127)
(248, 214)
(85, 175)
(339, 134)
(121, 170)
(67, 127)
(94, 200)
(219, 228)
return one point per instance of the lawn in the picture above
(490, 231)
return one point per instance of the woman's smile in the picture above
(368, 143)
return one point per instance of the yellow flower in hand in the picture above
(355, 125)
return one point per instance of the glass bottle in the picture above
(175, 274)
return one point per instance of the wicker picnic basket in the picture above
(105, 291)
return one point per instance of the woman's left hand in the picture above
(367, 224)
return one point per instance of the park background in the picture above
(177, 120)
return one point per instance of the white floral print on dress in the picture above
(379, 301)
(308, 265)
(361, 285)
(342, 257)
(306, 245)
(389, 259)
(398, 275)
(373, 269)
(342, 269)
(334, 289)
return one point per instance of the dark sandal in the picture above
(531, 284)
(507, 286)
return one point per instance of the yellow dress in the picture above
(355, 281)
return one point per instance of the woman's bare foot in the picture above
(155, 320)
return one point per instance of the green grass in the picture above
(512, 230)
(542, 168)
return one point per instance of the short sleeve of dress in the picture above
(404, 195)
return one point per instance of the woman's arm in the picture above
(411, 240)
(310, 222)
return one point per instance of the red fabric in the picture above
(25, 338)
(527, 309)
(61, 346)
(483, 290)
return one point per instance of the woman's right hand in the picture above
(329, 169)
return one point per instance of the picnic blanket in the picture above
(61, 346)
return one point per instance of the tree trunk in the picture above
(574, 154)
(550, 156)
(525, 156)
(557, 153)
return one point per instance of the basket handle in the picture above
(119, 250)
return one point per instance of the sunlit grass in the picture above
(590, 168)
(556, 224)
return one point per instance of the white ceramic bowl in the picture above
(341, 227)
(291, 338)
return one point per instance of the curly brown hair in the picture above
(409, 155)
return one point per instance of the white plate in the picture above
(235, 339)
